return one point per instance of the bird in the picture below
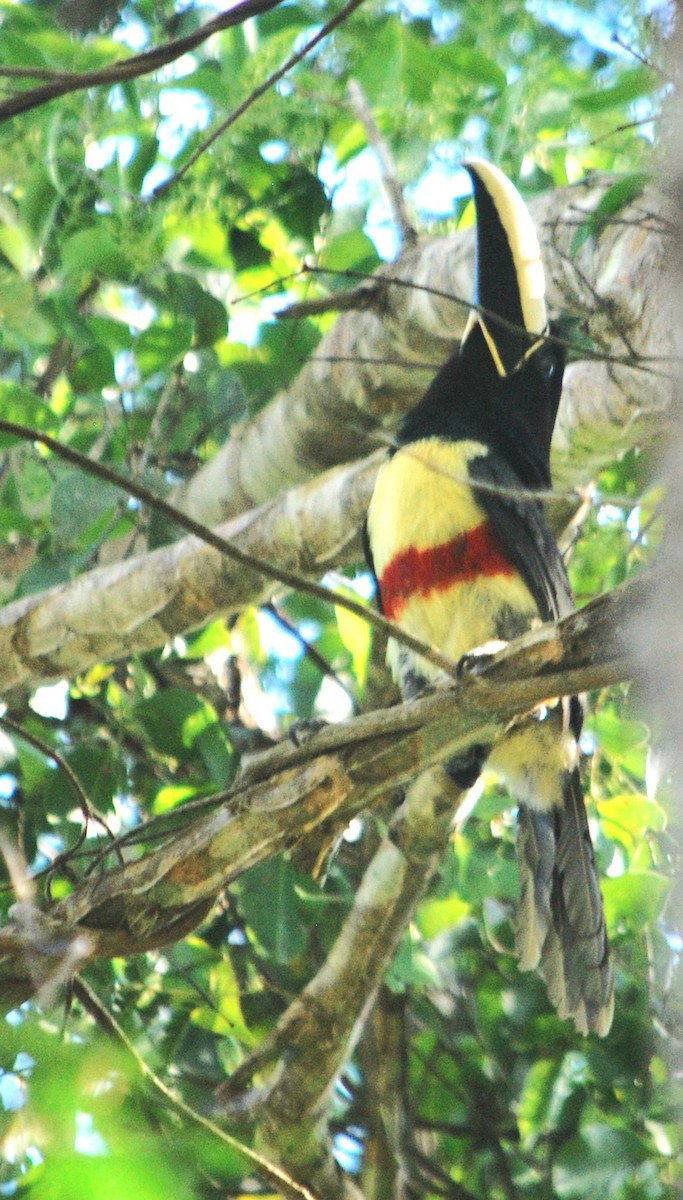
(464, 558)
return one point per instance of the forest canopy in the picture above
(235, 246)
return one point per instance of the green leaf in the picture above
(46, 572)
(94, 370)
(178, 722)
(353, 251)
(299, 200)
(217, 754)
(142, 160)
(287, 16)
(215, 636)
(22, 406)
(633, 83)
(466, 62)
(536, 1096)
(348, 139)
(100, 772)
(268, 903)
(21, 317)
(17, 246)
(622, 739)
(379, 69)
(110, 332)
(93, 251)
(618, 196)
(356, 635)
(224, 1016)
(437, 916)
(628, 818)
(18, 51)
(636, 898)
(412, 966)
(484, 871)
(78, 502)
(597, 1162)
(161, 346)
(137, 1172)
(205, 241)
(170, 797)
(196, 304)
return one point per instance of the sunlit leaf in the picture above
(224, 1015)
(628, 818)
(356, 635)
(637, 898)
(435, 916)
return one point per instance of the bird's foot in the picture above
(475, 660)
(301, 732)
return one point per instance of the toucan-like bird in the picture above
(463, 556)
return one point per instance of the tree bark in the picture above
(140, 604)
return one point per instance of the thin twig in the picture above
(405, 364)
(623, 129)
(352, 300)
(89, 812)
(309, 651)
(637, 362)
(385, 158)
(264, 87)
(639, 57)
(106, 1020)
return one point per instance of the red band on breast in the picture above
(464, 558)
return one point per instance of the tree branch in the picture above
(318, 1032)
(286, 793)
(385, 158)
(131, 68)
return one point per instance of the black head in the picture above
(504, 383)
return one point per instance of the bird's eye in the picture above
(550, 362)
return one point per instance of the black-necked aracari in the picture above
(464, 557)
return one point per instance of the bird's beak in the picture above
(510, 284)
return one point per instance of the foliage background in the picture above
(138, 327)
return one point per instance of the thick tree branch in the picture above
(298, 1065)
(138, 605)
(286, 793)
(319, 1030)
(382, 1055)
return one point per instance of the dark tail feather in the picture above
(560, 921)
